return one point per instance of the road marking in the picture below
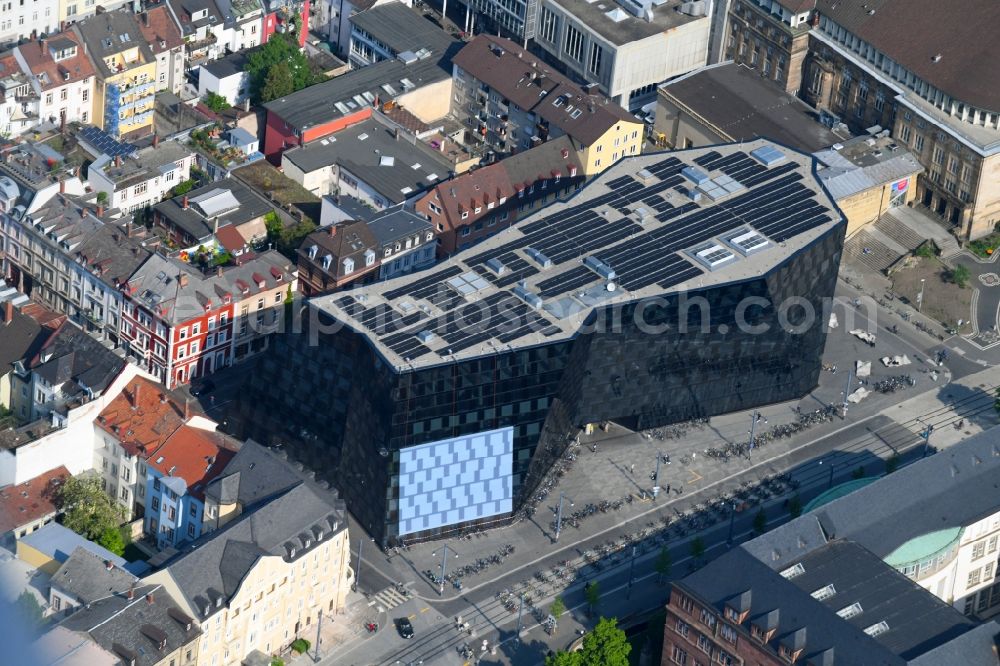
(412, 616)
(425, 609)
(695, 477)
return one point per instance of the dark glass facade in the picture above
(343, 411)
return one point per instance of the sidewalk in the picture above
(337, 631)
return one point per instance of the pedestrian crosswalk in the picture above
(387, 599)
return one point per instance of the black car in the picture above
(405, 628)
(204, 388)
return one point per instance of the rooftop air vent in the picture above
(496, 266)
(768, 156)
(599, 267)
(534, 300)
(538, 257)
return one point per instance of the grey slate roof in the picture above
(254, 474)
(315, 105)
(397, 224)
(953, 488)
(77, 361)
(115, 623)
(740, 103)
(363, 148)
(234, 63)
(86, 577)
(917, 620)
(192, 221)
(19, 338)
(918, 623)
(209, 571)
(863, 163)
(108, 33)
(402, 29)
(977, 647)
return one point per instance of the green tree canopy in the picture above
(663, 564)
(216, 102)
(592, 592)
(113, 539)
(960, 276)
(88, 510)
(564, 659)
(557, 608)
(277, 69)
(606, 645)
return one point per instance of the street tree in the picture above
(795, 506)
(663, 564)
(564, 659)
(557, 608)
(697, 548)
(960, 276)
(87, 509)
(606, 645)
(760, 522)
(592, 593)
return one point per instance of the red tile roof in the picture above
(159, 29)
(230, 239)
(32, 500)
(144, 416)
(38, 57)
(195, 455)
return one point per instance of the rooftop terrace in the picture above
(651, 224)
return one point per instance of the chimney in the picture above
(131, 593)
(100, 210)
(135, 395)
(246, 105)
(62, 187)
(145, 18)
(156, 140)
(182, 280)
(184, 202)
(149, 599)
(8, 312)
(333, 229)
(218, 271)
(118, 160)
(109, 565)
(42, 45)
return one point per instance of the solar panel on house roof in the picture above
(105, 143)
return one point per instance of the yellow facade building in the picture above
(276, 558)
(868, 176)
(126, 73)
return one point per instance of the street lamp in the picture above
(656, 475)
(732, 519)
(754, 418)
(444, 566)
(559, 511)
(920, 296)
(847, 390)
(830, 484)
(926, 434)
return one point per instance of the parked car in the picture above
(204, 388)
(405, 628)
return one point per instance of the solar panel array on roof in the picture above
(106, 144)
(562, 261)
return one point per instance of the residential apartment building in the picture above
(194, 219)
(86, 577)
(244, 24)
(141, 625)
(69, 369)
(837, 604)
(226, 77)
(143, 178)
(275, 558)
(163, 35)
(626, 48)
(62, 77)
(126, 73)
(130, 431)
(178, 322)
(177, 475)
(20, 101)
(771, 37)
(373, 161)
(392, 243)
(282, 16)
(27, 20)
(511, 101)
(386, 31)
(202, 27)
(938, 98)
(68, 257)
(480, 203)
(23, 330)
(27, 507)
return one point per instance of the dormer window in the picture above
(348, 266)
(370, 258)
(430, 236)
(388, 251)
(327, 260)
(312, 251)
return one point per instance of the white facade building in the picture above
(132, 183)
(20, 19)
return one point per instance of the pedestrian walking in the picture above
(631, 469)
